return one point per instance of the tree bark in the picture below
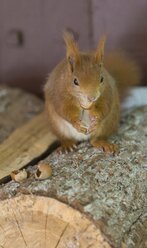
(110, 191)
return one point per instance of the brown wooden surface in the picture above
(26, 62)
(16, 108)
(40, 222)
(25, 144)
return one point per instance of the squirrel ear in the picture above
(72, 50)
(99, 54)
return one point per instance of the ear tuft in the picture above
(72, 50)
(99, 54)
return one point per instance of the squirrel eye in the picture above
(102, 79)
(75, 81)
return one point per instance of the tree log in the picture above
(22, 137)
(33, 221)
(25, 144)
(110, 190)
(16, 108)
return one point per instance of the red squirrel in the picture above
(83, 94)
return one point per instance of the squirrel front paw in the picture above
(93, 118)
(93, 124)
(80, 127)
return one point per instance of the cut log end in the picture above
(33, 221)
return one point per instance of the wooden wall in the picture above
(31, 34)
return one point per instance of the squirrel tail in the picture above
(124, 70)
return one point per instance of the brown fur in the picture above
(125, 71)
(98, 92)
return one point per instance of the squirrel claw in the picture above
(65, 149)
(106, 146)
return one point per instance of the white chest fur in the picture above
(67, 129)
(70, 132)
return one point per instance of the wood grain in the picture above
(25, 144)
(17, 107)
(33, 221)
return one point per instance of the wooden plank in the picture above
(24, 144)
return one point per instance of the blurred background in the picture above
(31, 41)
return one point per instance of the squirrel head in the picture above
(85, 70)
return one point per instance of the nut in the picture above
(44, 171)
(19, 175)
